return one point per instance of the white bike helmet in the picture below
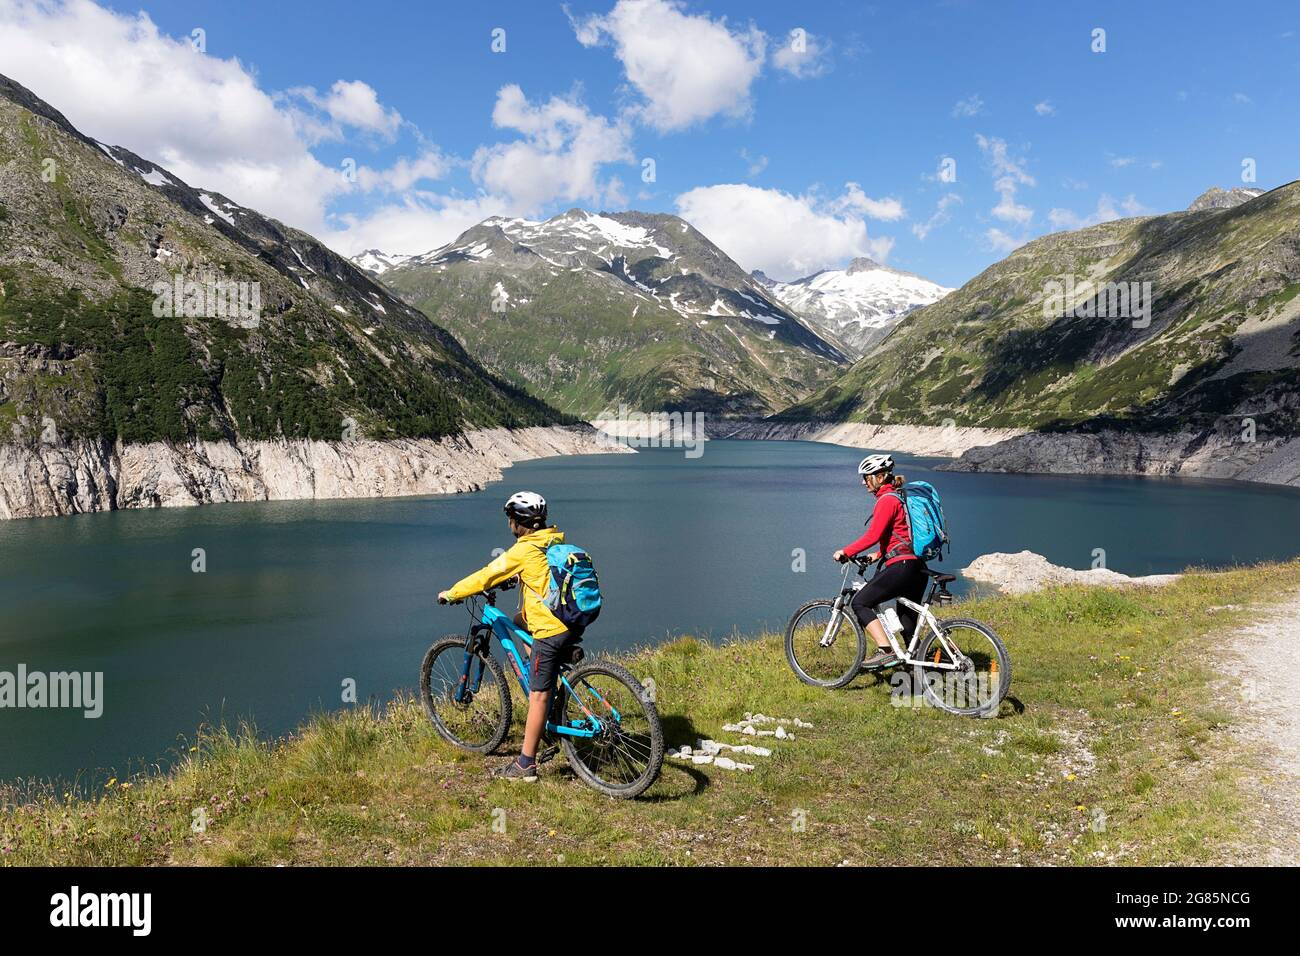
(527, 507)
(875, 464)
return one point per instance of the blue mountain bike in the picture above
(605, 720)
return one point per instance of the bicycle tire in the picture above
(654, 748)
(844, 679)
(991, 706)
(431, 703)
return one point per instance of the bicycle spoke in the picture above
(823, 644)
(473, 719)
(622, 751)
(976, 682)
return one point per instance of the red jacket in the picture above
(887, 527)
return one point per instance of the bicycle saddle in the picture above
(941, 578)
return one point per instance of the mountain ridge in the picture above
(593, 310)
(1204, 378)
(88, 229)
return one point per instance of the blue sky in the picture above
(791, 159)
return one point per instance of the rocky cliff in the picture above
(1220, 453)
(941, 441)
(86, 476)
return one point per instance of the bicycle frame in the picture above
(492, 620)
(924, 616)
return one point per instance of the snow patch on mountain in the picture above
(857, 306)
(372, 260)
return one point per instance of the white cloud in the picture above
(1106, 211)
(942, 213)
(1000, 241)
(1119, 162)
(1009, 175)
(560, 156)
(784, 235)
(687, 67)
(413, 223)
(405, 172)
(756, 163)
(855, 200)
(802, 55)
(351, 103)
(1045, 108)
(971, 106)
(1242, 98)
(120, 80)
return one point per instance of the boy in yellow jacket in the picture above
(552, 641)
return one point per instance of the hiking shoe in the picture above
(884, 657)
(513, 771)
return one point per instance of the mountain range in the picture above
(596, 310)
(1185, 323)
(94, 345)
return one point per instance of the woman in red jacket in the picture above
(901, 573)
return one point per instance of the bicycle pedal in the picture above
(548, 754)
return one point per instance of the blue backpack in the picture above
(573, 594)
(924, 520)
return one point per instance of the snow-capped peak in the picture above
(857, 305)
(372, 260)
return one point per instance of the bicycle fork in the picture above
(833, 625)
(465, 688)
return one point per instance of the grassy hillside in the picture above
(87, 230)
(1223, 341)
(1111, 749)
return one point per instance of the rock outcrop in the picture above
(1218, 454)
(941, 441)
(1026, 571)
(88, 476)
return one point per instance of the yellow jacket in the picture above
(526, 558)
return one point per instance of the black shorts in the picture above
(904, 579)
(548, 654)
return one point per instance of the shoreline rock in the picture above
(939, 441)
(1219, 453)
(1025, 572)
(87, 476)
(1215, 454)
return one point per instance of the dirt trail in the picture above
(1267, 658)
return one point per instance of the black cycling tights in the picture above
(904, 579)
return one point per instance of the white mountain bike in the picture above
(960, 665)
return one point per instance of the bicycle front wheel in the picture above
(625, 757)
(983, 674)
(477, 718)
(825, 647)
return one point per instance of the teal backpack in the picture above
(573, 594)
(924, 520)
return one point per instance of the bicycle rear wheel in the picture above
(624, 759)
(480, 719)
(825, 647)
(975, 689)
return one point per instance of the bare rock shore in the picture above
(941, 441)
(1215, 454)
(1026, 571)
(86, 476)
